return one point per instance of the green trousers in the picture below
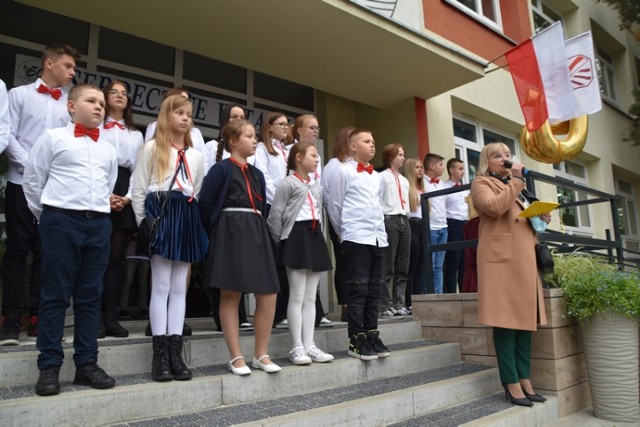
(513, 351)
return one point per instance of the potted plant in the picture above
(606, 303)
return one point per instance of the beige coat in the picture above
(509, 285)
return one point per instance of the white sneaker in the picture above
(298, 356)
(403, 311)
(283, 324)
(325, 323)
(318, 355)
(389, 312)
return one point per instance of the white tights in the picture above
(168, 295)
(301, 311)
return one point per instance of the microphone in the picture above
(508, 164)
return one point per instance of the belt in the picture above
(242, 210)
(84, 214)
(415, 219)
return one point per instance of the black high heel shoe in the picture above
(535, 397)
(520, 402)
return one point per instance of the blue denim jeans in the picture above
(438, 237)
(75, 253)
(454, 260)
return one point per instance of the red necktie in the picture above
(83, 131)
(395, 175)
(109, 125)
(457, 184)
(363, 168)
(434, 181)
(55, 93)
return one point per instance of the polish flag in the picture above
(582, 71)
(541, 78)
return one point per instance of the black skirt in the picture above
(125, 218)
(240, 256)
(304, 249)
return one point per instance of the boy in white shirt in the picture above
(437, 217)
(68, 179)
(4, 117)
(457, 214)
(33, 109)
(356, 215)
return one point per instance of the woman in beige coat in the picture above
(509, 285)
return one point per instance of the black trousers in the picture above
(22, 239)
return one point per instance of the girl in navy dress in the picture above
(295, 225)
(119, 130)
(240, 258)
(181, 239)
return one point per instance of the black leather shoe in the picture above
(535, 397)
(515, 400)
(48, 384)
(93, 376)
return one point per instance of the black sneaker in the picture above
(373, 337)
(10, 332)
(48, 384)
(93, 375)
(360, 349)
(32, 330)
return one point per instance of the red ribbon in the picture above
(310, 199)
(250, 192)
(109, 125)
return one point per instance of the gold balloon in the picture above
(544, 146)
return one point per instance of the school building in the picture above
(412, 71)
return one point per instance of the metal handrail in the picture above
(561, 239)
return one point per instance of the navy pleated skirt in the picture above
(181, 236)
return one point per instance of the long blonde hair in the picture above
(414, 183)
(164, 134)
(297, 125)
(486, 153)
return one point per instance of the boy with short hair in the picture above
(457, 214)
(68, 178)
(356, 214)
(33, 109)
(437, 217)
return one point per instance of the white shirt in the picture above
(354, 209)
(127, 143)
(70, 172)
(310, 210)
(418, 212)
(144, 182)
(211, 151)
(394, 202)
(438, 213)
(31, 114)
(457, 207)
(4, 117)
(328, 173)
(196, 136)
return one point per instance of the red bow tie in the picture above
(82, 131)
(109, 125)
(55, 93)
(363, 168)
(434, 181)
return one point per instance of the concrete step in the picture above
(137, 397)
(487, 411)
(132, 355)
(367, 404)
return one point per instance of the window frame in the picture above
(627, 198)
(537, 8)
(478, 15)
(607, 81)
(560, 171)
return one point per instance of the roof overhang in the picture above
(334, 46)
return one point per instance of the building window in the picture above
(543, 15)
(487, 11)
(574, 218)
(627, 214)
(606, 75)
(470, 137)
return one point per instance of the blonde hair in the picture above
(298, 124)
(486, 153)
(163, 135)
(414, 183)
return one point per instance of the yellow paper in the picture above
(536, 208)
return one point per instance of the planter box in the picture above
(557, 361)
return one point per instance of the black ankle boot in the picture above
(113, 327)
(179, 369)
(160, 370)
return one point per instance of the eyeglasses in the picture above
(282, 124)
(115, 92)
(315, 128)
